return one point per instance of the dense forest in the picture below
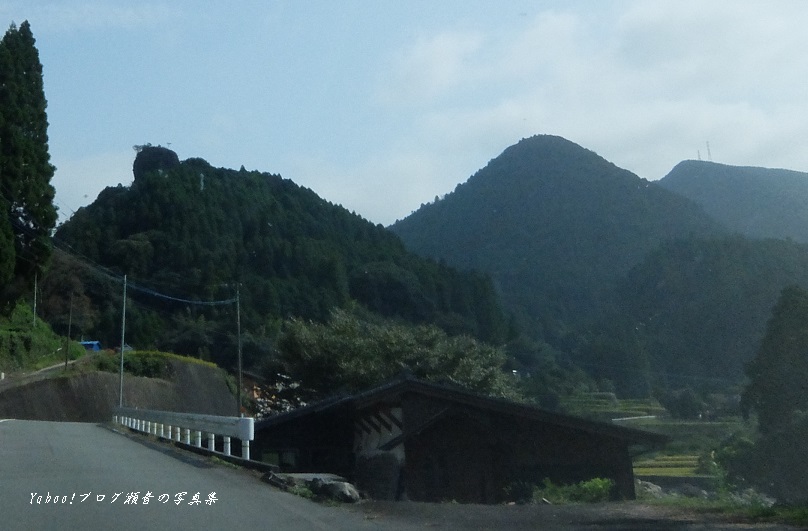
(701, 306)
(555, 225)
(633, 283)
(189, 237)
(755, 202)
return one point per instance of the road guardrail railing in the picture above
(182, 427)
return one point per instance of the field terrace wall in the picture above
(410, 439)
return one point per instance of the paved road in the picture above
(95, 470)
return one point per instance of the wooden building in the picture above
(411, 439)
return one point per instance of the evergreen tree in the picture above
(26, 195)
(778, 376)
(777, 391)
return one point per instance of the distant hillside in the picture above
(756, 202)
(193, 232)
(701, 306)
(555, 225)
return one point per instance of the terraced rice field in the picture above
(668, 465)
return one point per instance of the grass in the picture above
(302, 491)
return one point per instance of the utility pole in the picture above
(69, 329)
(238, 327)
(123, 342)
(36, 279)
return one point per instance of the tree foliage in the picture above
(755, 202)
(555, 225)
(26, 195)
(192, 231)
(701, 305)
(349, 353)
(777, 462)
(778, 375)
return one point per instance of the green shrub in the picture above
(148, 364)
(106, 362)
(301, 490)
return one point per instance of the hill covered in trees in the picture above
(555, 225)
(701, 306)
(622, 277)
(187, 234)
(756, 202)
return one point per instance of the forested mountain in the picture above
(555, 225)
(628, 280)
(756, 202)
(193, 232)
(701, 306)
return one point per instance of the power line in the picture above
(102, 271)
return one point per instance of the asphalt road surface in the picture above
(65, 476)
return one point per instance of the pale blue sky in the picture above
(381, 105)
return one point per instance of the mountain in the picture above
(555, 225)
(701, 305)
(186, 233)
(756, 202)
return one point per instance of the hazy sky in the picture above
(380, 105)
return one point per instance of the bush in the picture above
(106, 362)
(148, 364)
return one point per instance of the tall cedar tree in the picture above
(26, 195)
(778, 376)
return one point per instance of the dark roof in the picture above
(406, 383)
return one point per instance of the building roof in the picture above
(407, 383)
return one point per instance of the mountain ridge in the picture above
(754, 201)
(548, 196)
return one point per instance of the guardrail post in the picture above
(245, 450)
(198, 439)
(226, 445)
(211, 442)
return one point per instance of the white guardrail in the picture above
(179, 427)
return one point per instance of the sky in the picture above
(382, 105)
